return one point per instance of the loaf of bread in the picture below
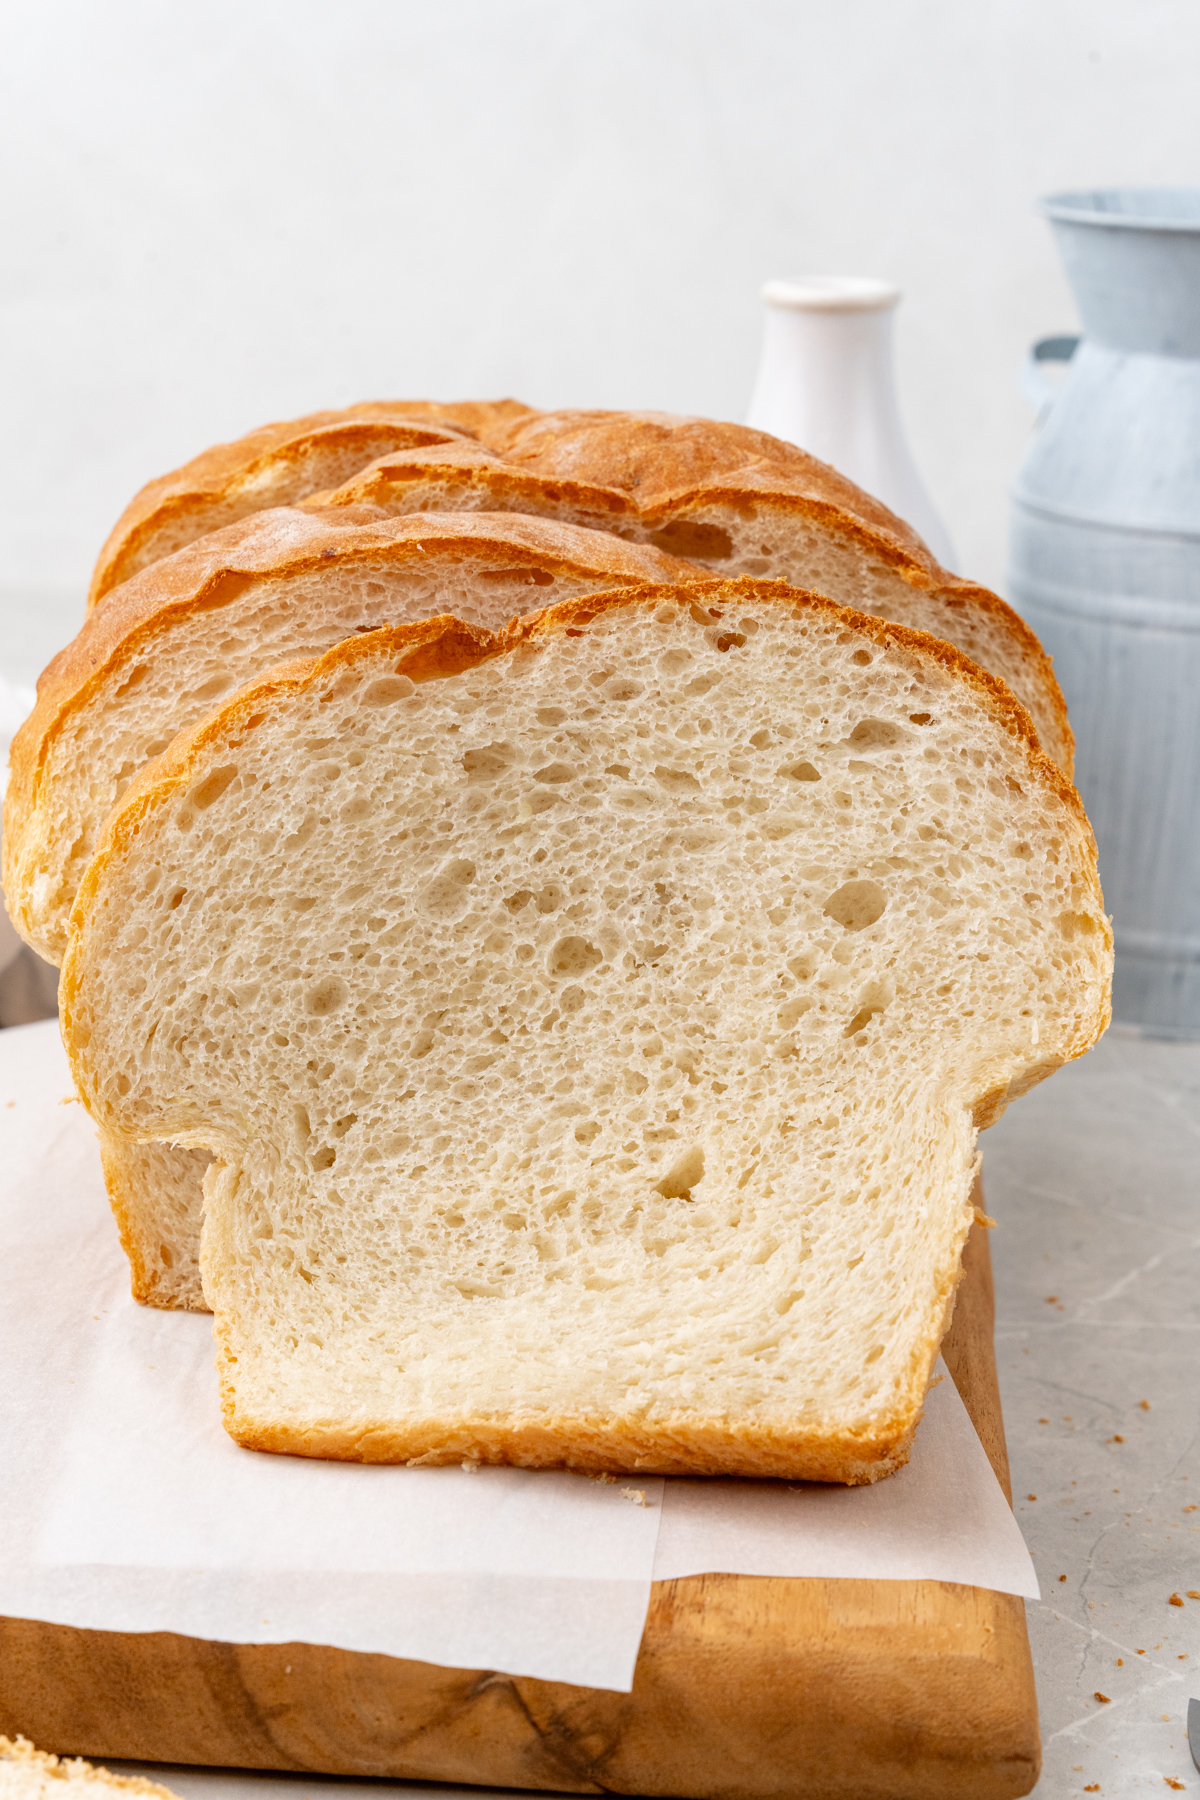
(29, 1774)
(591, 1023)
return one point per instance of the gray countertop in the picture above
(1094, 1180)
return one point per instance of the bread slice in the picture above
(156, 658)
(29, 1774)
(274, 466)
(591, 1023)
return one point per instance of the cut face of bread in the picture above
(590, 1025)
(29, 1774)
(156, 1192)
(274, 466)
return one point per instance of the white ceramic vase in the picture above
(826, 383)
(1105, 565)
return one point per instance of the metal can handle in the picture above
(1040, 393)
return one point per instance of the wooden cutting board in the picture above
(747, 1687)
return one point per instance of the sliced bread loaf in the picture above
(274, 466)
(591, 1023)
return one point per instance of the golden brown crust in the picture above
(657, 470)
(616, 1446)
(182, 504)
(655, 456)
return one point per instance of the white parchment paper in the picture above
(126, 1507)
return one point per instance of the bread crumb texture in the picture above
(29, 1774)
(590, 1025)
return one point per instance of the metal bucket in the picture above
(1105, 566)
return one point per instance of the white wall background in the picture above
(216, 214)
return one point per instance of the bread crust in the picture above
(655, 455)
(682, 1445)
(272, 461)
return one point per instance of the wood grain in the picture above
(747, 1687)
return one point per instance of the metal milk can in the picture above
(1105, 566)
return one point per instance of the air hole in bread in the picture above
(574, 956)
(622, 687)
(692, 538)
(684, 1174)
(800, 771)
(446, 895)
(870, 1008)
(208, 791)
(327, 997)
(135, 678)
(555, 772)
(490, 761)
(387, 689)
(876, 734)
(856, 904)
(676, 781)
